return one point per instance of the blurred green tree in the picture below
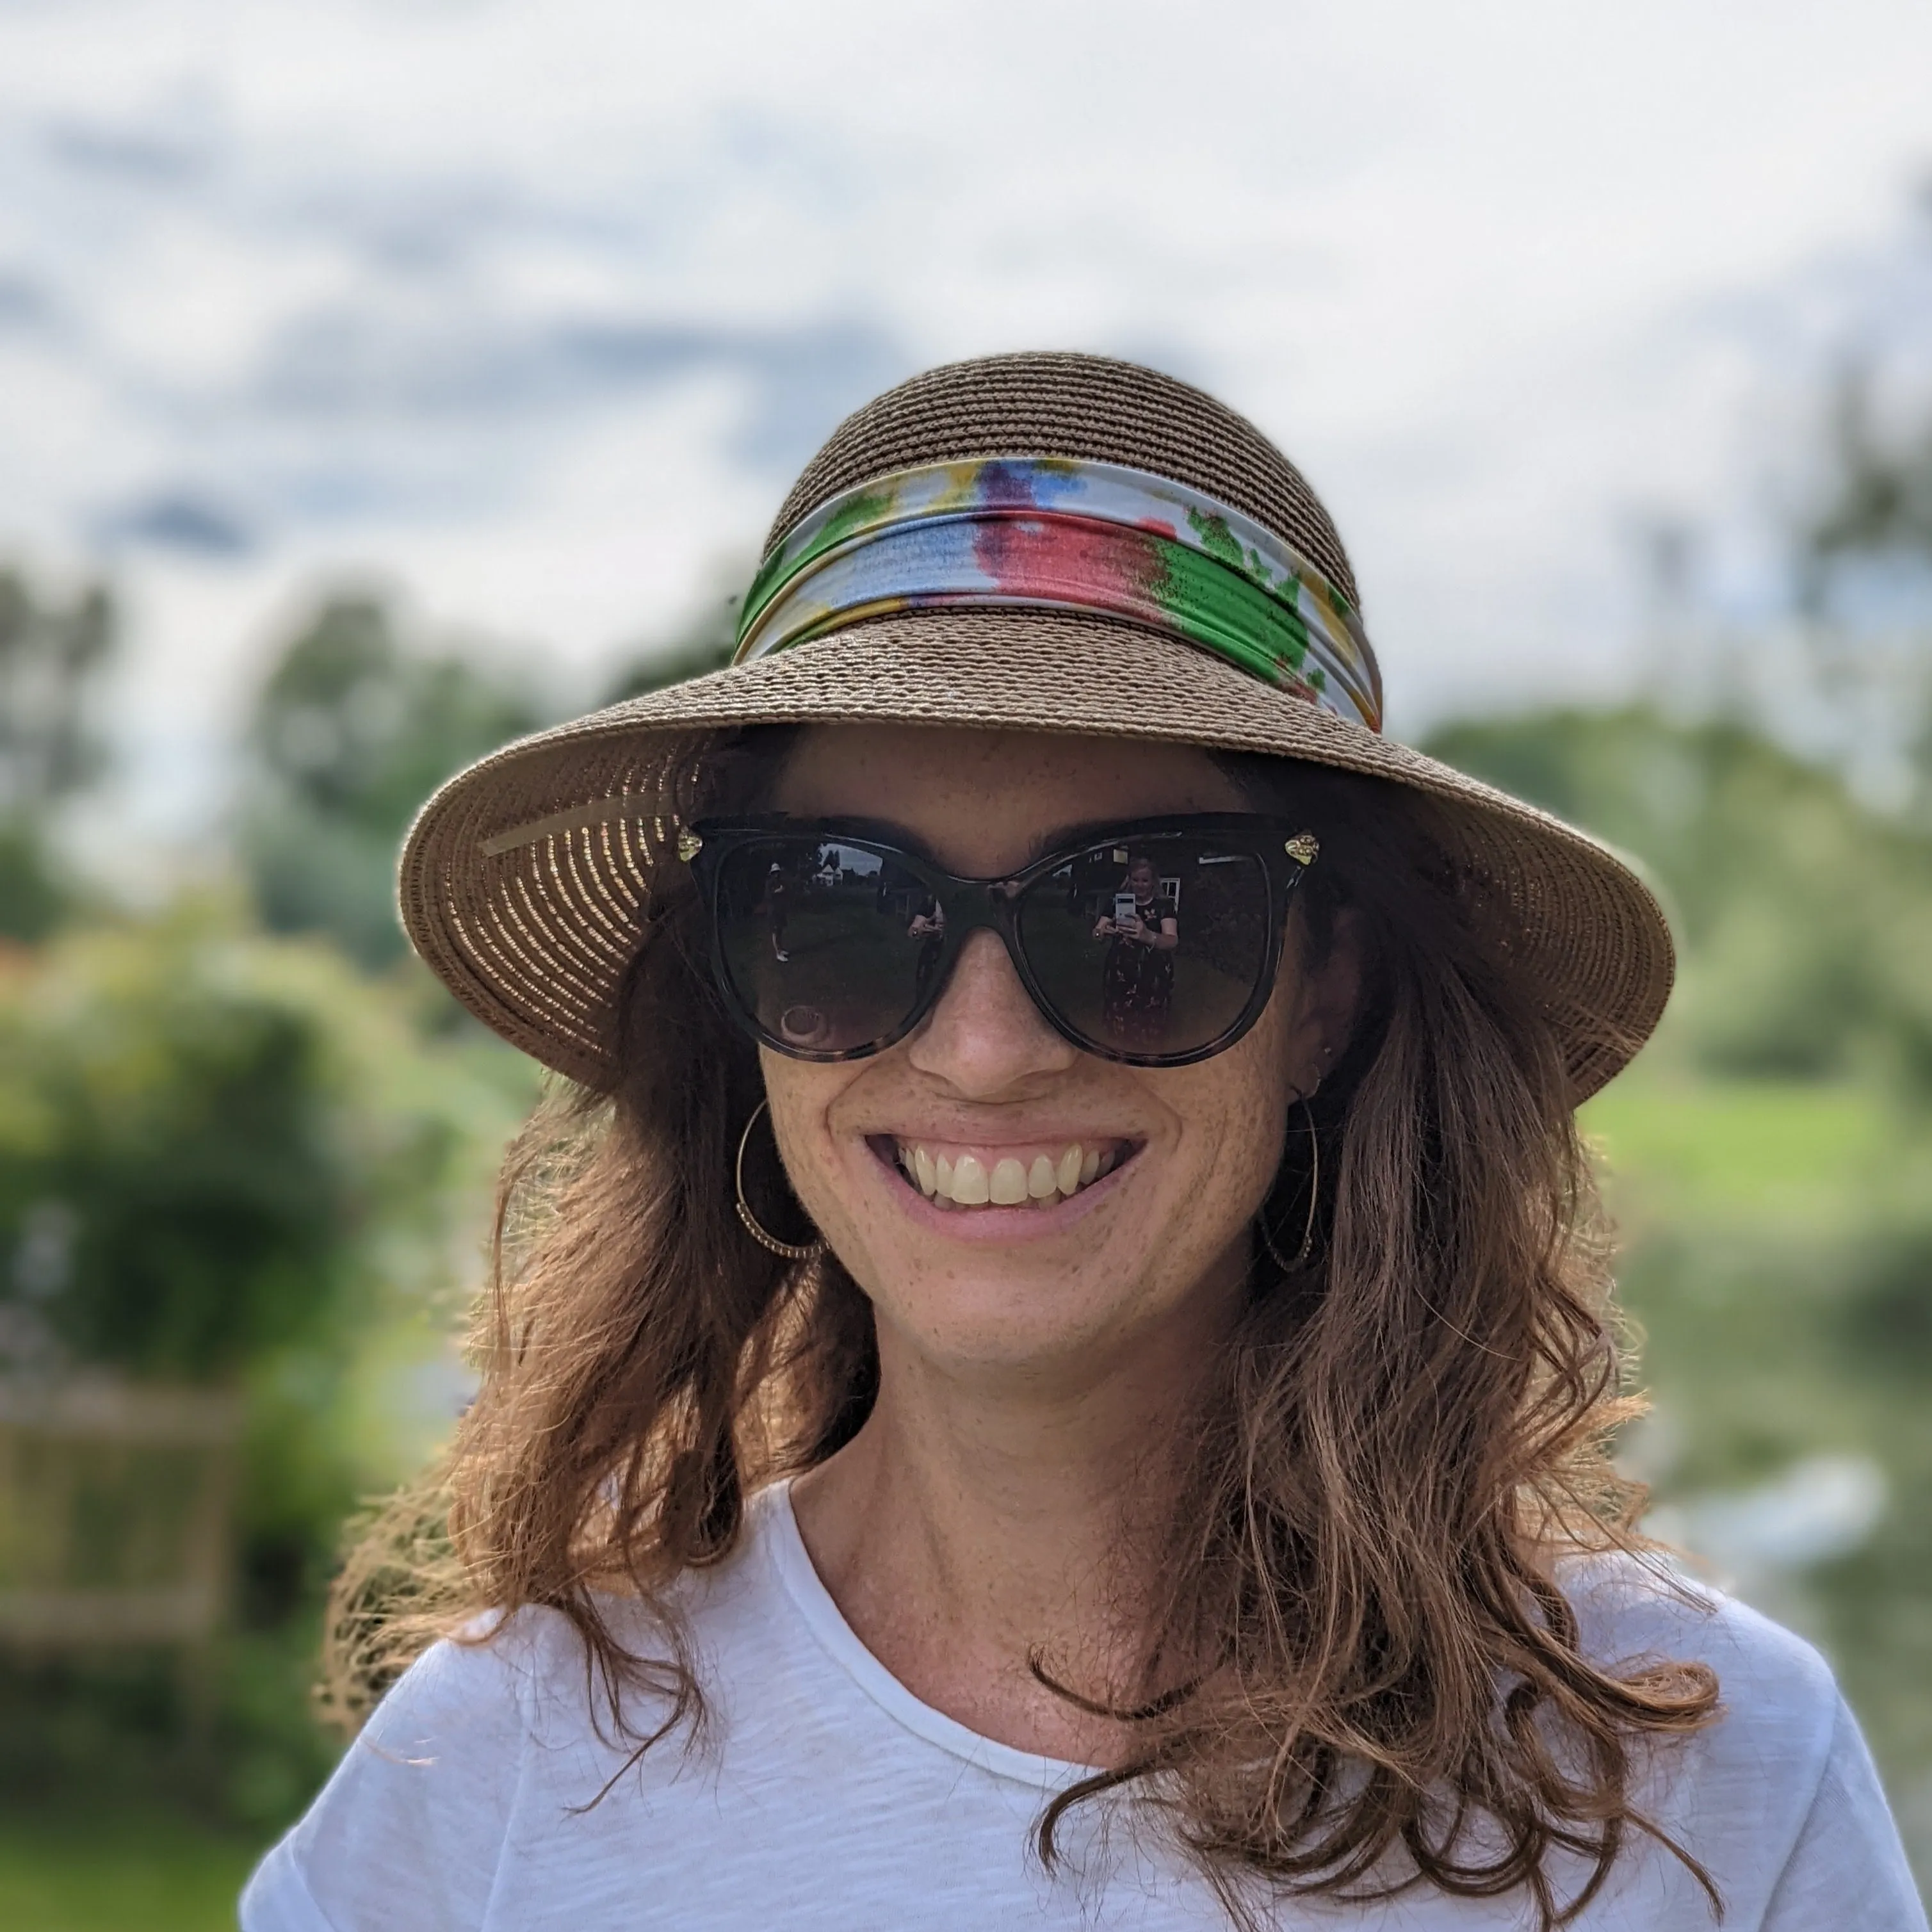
(1863, 558)
(168, 1154)
(655, 670)
(236, 1162)
(51, 656)
(354, 729)
(704, 643)
(1807, 917)
(1877, 498)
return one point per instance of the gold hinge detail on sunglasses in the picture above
(688, 846)
(1304, 848)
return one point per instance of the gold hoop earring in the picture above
(1300, 1259)
(786, 1250)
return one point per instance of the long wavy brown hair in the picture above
(1384, 1685)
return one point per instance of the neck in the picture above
(982, 1521)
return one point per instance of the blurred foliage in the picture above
(355, 726)
(1877, 497)
(225, 1156)
(1864, 566)
(33, 895)
(1806, 918)
(233, 1159)
(657, 670)
(703, 644)
(51, 656)
(178, 1184)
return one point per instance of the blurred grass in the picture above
(140, 1872)
(1681, 1149)
(1777, 1259)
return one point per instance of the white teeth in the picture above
(964, 1181)
(1008, 1183)
(970, 1187)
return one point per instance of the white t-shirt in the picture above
(824, 1794)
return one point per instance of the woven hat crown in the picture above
(1069, 405)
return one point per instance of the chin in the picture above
(986, 1317)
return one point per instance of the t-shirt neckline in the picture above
(823, 1618)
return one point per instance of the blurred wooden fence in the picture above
(115, 1508)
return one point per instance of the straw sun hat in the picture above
(1031, 542)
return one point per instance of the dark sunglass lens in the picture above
(1150, 948)
(826, 945)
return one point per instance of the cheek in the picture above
(1239, 1114)
(802, 1096)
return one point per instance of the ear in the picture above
(1327, 997)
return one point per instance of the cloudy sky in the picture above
(533, 309)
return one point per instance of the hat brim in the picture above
(525, 880)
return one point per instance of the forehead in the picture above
(985, 802)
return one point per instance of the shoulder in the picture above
(1778, 1797)
(408, 1827)
(1750, 1777)
(484, 1693)
(530, 1677)
(508, 1683)
(1634, 1612)
(479, 1749)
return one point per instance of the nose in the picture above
(984, 1039)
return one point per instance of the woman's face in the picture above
(1140, 877)
(1151, 1251)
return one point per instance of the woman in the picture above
(1145, 934)
(937, 1466)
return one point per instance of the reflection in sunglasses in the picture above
(1152, 949)
(805, 1026)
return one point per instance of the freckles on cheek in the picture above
(803, 1099)
(1241, 1116)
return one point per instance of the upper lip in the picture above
(970, 1134)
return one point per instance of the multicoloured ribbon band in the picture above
(1051, 532)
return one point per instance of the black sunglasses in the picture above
(1154, 943)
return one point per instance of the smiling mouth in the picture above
(954, 1177)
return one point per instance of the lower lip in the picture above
(1000, 1225)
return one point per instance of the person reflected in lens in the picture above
(928, 926)
(777, 898)
(1137, 980)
